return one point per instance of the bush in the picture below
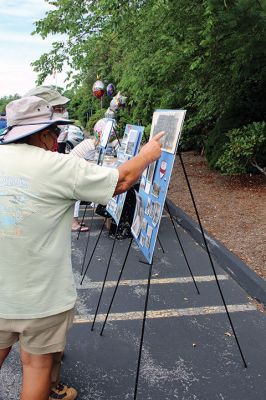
(246, 148)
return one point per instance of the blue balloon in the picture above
(110, 90)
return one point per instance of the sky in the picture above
(18, 48)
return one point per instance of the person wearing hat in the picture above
(39, 188)
(58, 102)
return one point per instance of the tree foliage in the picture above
(205, 56)
(5, 100)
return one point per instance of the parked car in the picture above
(75, 135)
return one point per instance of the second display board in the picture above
(128, 149)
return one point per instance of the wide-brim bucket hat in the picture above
(27, 116)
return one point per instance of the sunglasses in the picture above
(54, 129)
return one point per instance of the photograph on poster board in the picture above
(156, 213)
(150, 173)
(148, 207)
(147, 187)
(169, 121)
(138, 216)
(148, 236)
(142, 183)
(144, 225)
(156, 189)
(131, 142)
(163, 167)
(142, 240)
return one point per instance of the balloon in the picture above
(109, 113)
(119, 101)
(98, 89)
(100, 125)
(110, 90)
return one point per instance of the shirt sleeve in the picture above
(83, 148)
(94, 183)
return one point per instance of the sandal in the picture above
(81, 228)
(63, 392)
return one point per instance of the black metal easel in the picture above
(181, 246)
(93, 251)
(88, 240)
(105, 278)
(117, 284)
(210, 257)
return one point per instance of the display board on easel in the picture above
(155, 181)
(128, 149)
(107, 132)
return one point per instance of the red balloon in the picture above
(98, 89)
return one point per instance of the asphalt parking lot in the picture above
(189, 350)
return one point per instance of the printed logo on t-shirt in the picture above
(15, 205)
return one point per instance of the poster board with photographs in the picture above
(106, 133)
(128, 149)
(155, 181)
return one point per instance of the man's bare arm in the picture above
(131, 170)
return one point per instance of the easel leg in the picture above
(160, 243)
(210, 258)
(119, 278)
(143, 330)
(83, 217)
(105, 277)
(88, 240)
(181, 246)
(93, 251)
(117, 137)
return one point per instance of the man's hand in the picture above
(151, 151)
(131, 170)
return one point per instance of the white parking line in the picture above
(96, 217)
(172, 313)
(163, 281)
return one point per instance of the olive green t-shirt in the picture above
(38, 190)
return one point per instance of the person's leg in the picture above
(43, 341)
(57, 362)
(3, 355)
(37, 370)
(7, 339)
(75, 222)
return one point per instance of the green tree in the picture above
(205, 56)
(5, 100)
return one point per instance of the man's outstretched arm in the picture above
(131, 170)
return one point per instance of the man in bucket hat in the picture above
(38, 189)
(58, 102)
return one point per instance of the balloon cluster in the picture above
(98, 89)
(117, 102)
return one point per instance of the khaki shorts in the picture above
(37, 336)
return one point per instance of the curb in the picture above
(253, 284)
